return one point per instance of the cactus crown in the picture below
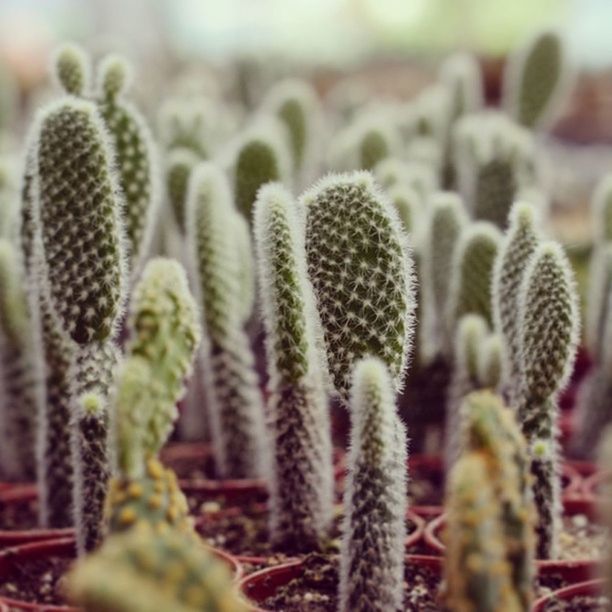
(114, 77)
(490, 361)
(461, 74)
(535, 80)
(72, 69)
(131, 573)
(375, 497)
(471, 333)
(179, 165)
(360, 267)
(78, 207)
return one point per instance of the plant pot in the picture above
(572, 571)
(22, 494)
(65, 548)
(260, 585)
(590, 587)
(592, 484)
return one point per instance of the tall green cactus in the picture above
(372, 554)
(549, 328)
(143, 571)
(360, 266)
(301, 495)
(180, 163)
(536, 80)
(18, 371)
(234, 398)
(517, 247)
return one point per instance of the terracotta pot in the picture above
(590, 587)
(19, 494)
(66, 549)
(572, 571)
(262, 584)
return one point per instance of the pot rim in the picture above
(587, 587)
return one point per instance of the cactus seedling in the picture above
(301, 493)
(361, 270)
(371, 561)
(549, 326)
(234, 400)
(144, 571)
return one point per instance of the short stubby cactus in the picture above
(180, 163)
(536, 79)
(517, 247)
(490, 361)
(301, 495)
(549, 327)
(135, 155)
(372, 553)
(360, 266)
(233, 395)
(142, 571)
(472, 273)
(18, 372)
(409, 207)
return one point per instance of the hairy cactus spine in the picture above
(549, 328)
(360, 267)
(301, 494)
(372, 554)
(234, 399)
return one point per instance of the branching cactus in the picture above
(262, 157)
(470, 334)
(18, 372)
(517, 247)
(233, 395)
(372, 555)
(549, 328)
(472, 272)
(536, 80)
(141, 571)
(301, 495)
(360, 266)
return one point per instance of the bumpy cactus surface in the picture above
(517, 247)
(549, 325)
(233, 395)
(361, 270)
(144, 571)
(301, 507)
(372, 555)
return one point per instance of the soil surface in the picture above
(22, 515)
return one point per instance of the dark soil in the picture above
(316, 589)
(579, 603)
(22, 515)
(36, 580)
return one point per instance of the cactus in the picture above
(472, 271)
(262, 157)
(490, 362)
(372, 553)
(409, 207)
(518, 245)
(420, 177)
(301, 495)
(179, 166)
(373, 146)
(601, 211)
(549, 328)
(144, 571)
(361, 270)
(8, 199)
(536, 80)
(246, 274)
(182, 124)
(604, 506)
(18, 371)
(430, 113)
(233, 396)
(461, 74)
(72, 70)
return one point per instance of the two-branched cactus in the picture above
(302, 481)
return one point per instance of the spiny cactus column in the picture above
(409, 207)
(18, 371)
(140, 571)
(372, 554)
(301, 494)
(536, 79)
(246, 274)
(549, 325)
(179, 165)
(360, 266)
(518, 245)
(234, 398)
(472, 272)
(490, 362)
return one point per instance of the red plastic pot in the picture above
(590, 587)
(262, 584)
(19, 494)
(66, 549)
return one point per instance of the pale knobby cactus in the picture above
(549, 330)
(233, 395)
(518, 245)
(302, 482)
(374, 530)
(360, 266)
